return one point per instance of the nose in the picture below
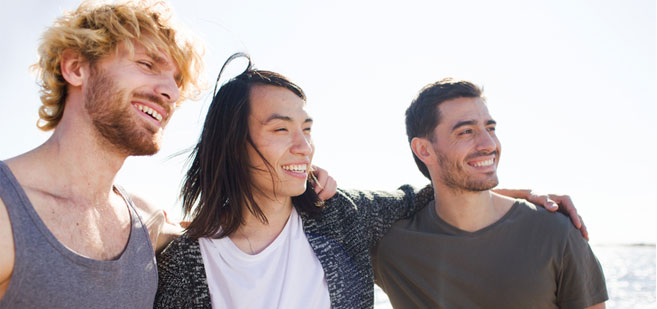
(168, 89)
(487, 142)
(302, 144)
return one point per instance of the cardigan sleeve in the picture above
(181, 276)
(378, 210)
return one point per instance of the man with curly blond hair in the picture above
(111, 77)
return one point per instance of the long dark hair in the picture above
(218, 185)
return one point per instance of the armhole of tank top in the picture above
(134, 215)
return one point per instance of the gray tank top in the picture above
(49, 275)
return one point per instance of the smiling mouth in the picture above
(484, 163)
(296, 168)
(150, 112)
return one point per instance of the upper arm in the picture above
(160, 229)
(6, 250)
(597, 306)
(378, 210)
(169, 284)
(581, 280)
(175, 269)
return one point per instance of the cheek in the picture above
(312, 145)
(270, 150)
(455, 148)
(254, 157)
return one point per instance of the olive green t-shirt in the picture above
(530, 258)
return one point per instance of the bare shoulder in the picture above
(145, 208)
(6, 249)
(160, 228)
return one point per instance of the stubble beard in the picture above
(114, 120)
(455, 178)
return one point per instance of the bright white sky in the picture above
(570, 83)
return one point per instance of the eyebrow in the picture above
(156, 58)
(471, 122)
(284, 118)
(162, 62)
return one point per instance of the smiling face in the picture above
(466, 146)
(130, 98)
(280, 128)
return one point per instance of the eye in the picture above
(280, 130)
(145, 64)
(307, 130)
(465, 132)
(491, 129)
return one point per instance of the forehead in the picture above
(267, 100)
(462, 109)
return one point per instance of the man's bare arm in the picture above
(6, 250)
(160, 229)
(598, 306)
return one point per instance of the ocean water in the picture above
(629, 271)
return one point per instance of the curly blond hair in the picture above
(95, 30)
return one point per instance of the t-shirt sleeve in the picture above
(378, 210)
(581, 281)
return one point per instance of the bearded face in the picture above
(466, 146)
(112, 115)
(455, 177)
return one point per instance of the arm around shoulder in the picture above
(182, 282)
(171, 284)
(161, 230)
(378, 210)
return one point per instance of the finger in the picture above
(567, 207)
(329, 189)
(318, 188)
(544, 200)
(321, 177)
(166, 218)
(550, 204)
(584, 230)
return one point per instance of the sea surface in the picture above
(629, 270)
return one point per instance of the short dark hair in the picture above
(423, 116)
(217, 185)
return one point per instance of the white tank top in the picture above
(286, 274)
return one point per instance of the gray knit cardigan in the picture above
(341, 237)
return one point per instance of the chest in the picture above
(471, 272)
(98, 232)
(277, 274)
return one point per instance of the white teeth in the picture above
(484, 163)
(297, 168)
(150, 111)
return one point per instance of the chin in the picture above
(299, 191)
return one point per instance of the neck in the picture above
(253, 235)
(469, 211)
(73, 164)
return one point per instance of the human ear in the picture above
(423, 150)
(74, 67)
